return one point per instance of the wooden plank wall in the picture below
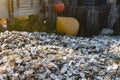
(18, 8)
(25, 7)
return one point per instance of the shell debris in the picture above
(42, 56)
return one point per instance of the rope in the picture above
(113, 16)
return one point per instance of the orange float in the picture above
(59, 7)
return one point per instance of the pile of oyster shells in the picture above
(42, 56)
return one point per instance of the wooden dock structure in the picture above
(10, 9)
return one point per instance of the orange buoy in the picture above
(59, 7)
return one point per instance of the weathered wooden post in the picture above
(10, 11)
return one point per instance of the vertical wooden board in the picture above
(67, 2)
(22, 9)
(16, 6)
(3, 9)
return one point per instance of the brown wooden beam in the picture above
(10, 11)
